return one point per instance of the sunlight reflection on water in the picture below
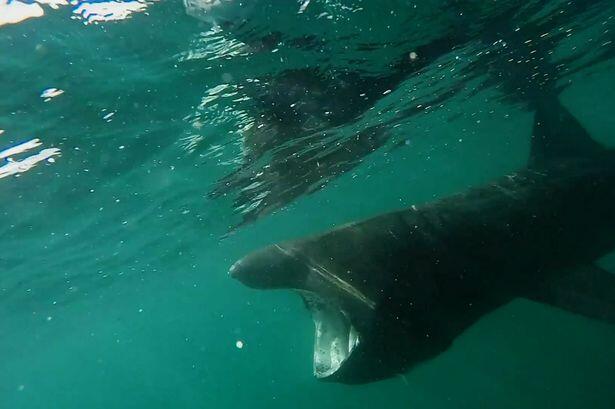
(13, 12)
(14, 166)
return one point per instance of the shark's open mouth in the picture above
(335, 338)
(338, 308)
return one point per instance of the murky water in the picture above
(145, 146)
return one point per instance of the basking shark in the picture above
(396, 290)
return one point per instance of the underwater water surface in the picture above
(146, 146)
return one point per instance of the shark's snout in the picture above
(247, 273)
(270, 268)
(235, 270)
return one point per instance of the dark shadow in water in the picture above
(302, 140)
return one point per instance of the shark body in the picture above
(395, 290)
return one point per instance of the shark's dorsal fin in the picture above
(557, 134)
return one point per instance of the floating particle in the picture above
(413, 56)
(51, 93)
(304, 6)
(239, 344)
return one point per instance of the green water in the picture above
(114, 290)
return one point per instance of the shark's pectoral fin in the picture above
(588, 291)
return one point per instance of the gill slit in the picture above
(333, 279)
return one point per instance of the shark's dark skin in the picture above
(420, 276)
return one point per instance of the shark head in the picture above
(362, 333)
(337, 308)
